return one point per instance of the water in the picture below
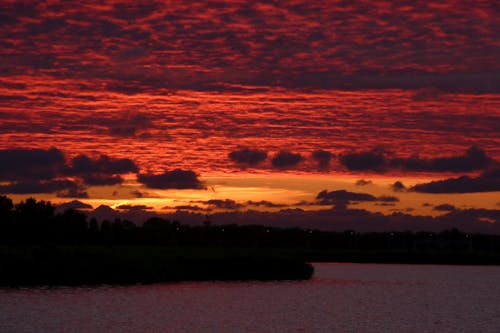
(340, 298)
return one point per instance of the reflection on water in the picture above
(340, 298)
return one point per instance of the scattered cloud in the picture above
(83, 165)
(248, 156)
(285, 159)
(445, 208)
(102, 180)
(265, 203)
(323, 157)
(186, 207)
(134, 207)
(398, 187)
(366, 160)
(138, 194)
(378, 160)
(47, 171)
(38, 186)
(388, 198)
(175, 179)
(75, 204)
(30, 164)
(487, 182)
(224, 204)
(473, 159)
(329, 198)
(341, 198)
(73, 193)
(363, 182)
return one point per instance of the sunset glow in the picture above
(247, 111)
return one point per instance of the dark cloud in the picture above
(46, 171)
(102, 180)
(137, 193)
(486, 182)
(75, 204)
(175, 179)
(445, 208)
(185, 207)
(341, 198)
(73, 193)
(83, 165)
(284, 159)
(398, 186)
(228, 204)
(323, 157)
(223, 204)
(100, 171)
(248, 156)
(376, 159)
(30, 164)
(367, 160)
(388, 198)
(265, 203)
(38, 186)
(363, 182)
(134, 207)
(330, 198)
(473, 159)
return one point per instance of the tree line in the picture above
(36, 222)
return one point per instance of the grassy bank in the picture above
(90, 265)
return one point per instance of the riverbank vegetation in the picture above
(40, 247)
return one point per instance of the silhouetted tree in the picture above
(33, 219)
(72, 224)
(157, 224)
(105, 227)
(128, 225)
(5, 208)
(93, 226)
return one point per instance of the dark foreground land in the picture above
(95, 264)
(39, 247)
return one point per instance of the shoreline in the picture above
(76, 265)
(87, 264)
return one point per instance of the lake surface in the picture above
(340, 298)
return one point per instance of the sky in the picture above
(364, 115)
